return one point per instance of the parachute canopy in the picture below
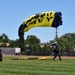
(44, 19)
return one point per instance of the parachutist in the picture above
(1, 57)
(56, 52)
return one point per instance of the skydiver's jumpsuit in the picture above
(56, 53)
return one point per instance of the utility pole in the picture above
(56, 36)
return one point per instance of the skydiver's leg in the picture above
(55, 55)
(59, 56)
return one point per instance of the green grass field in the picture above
(37, 67)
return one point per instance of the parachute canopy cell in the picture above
(44, 19)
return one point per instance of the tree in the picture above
(4, 40)
(33, 41)
(46, 47)
(67, 41)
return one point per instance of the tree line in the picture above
(66, 42)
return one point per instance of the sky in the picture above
(14, 12)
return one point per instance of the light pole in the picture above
(56, 36)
